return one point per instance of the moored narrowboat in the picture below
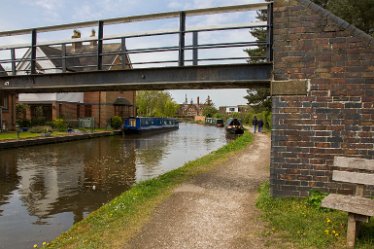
(214, 121)
(234, 126)
(140, 125)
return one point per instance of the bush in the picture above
(116, 122)
(59, 124)
(40, 129)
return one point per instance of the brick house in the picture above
(71, 106)
(191, 110)
(7, 108)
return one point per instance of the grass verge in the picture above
(112, 225)
(304, 223)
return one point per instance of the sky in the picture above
(20, 14)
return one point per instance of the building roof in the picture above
(2, 71)
(84, 58)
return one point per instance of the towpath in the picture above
(215, 209)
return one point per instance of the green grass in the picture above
(306, 225)
(13, 135)
(112, 225)
(26, 134)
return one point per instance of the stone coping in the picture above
(10, 144)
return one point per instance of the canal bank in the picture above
(10, 144)
(119, 223)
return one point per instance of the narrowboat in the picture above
(214, 121)
(234, 126)
(140, 125)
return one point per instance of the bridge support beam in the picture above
(193, 77)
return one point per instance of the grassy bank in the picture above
(305, 224)
(26, 134)
(116, 222)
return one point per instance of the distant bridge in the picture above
(63, 66)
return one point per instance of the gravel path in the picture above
(214, 210)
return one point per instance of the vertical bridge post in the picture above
(195, 44)
(182, 29)
(33, 51)
(100, 45)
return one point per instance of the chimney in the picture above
(93, 43)
(198, 100)
(76, 45)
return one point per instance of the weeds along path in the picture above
(215, 209)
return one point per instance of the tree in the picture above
(258, 54)
(359, 13)
(209, 111)
(259, 99)
(155, 104)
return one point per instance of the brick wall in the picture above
(337, 116)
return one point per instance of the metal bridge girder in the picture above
(189, 77)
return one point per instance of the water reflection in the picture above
(45, 189)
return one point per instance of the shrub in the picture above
(40, 129)
(116, 122)
(59, 124)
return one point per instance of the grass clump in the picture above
(112, 225)
(306, 224)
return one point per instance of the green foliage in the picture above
(359, 13)
(59, 124)
(209, 111)
(303, 222)
(21, 115)
(315, 198)
(259, 99)
(155, 104)
(116, 122)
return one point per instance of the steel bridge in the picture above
(188, 61)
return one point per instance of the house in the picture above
(7, 108)
(191, 110)
(100, 105)
(233, 109)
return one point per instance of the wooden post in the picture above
(351, 230)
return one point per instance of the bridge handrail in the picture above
(123, 51)
(138, 18)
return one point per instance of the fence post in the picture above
(182, 29)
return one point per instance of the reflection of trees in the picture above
(8, 176)
(59, 178)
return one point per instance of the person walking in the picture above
(254, 123)
(260, 125)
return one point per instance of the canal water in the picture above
(45, 189)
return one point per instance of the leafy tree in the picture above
(155, 104)
(359, 13)
(258, 54)
(259, 99)
(209, 111)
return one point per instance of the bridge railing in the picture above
(106, 51)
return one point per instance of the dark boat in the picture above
(140, 125)
(214, 121)
(234, 126)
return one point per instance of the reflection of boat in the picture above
(234, 126)
(141, 125)
(214, 121)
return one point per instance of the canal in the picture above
(45, 189)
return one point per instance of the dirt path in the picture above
(214, 210)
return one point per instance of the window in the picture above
(232, 109)
(5, 102)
